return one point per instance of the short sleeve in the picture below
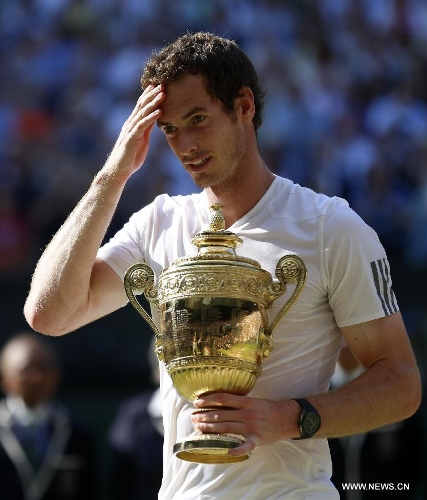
(125, 248)
(358, 271)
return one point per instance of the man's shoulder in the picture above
(297, 202)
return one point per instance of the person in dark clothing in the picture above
(45, 453)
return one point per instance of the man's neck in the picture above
(238, 200)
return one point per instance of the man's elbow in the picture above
(40, 320)
(413, 392)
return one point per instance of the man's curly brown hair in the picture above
(223, 65)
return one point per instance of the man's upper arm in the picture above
(107, 292)
(390, 386)
(380, 339)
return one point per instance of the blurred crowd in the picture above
(346, 109)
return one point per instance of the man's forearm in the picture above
(379, 396)
(60, 288)
(70, 289)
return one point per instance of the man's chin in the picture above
(205, 183)
(201, 183)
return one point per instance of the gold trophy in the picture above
(214, 331)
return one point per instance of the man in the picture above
(44, 453)
(203, 93)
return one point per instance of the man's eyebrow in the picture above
(193, 111)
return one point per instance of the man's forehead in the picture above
(184, 96)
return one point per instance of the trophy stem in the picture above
(209, 448)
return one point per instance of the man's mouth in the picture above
(197, 163)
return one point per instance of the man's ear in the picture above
(246, 104)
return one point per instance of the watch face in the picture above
(311, 423)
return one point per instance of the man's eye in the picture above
(198, 118)
(169, 129)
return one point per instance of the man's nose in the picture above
(186, 144)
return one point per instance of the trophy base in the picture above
(209, 448)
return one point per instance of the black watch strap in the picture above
(309, 422)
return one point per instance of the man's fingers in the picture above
(147, 103)
(244, 449)
(140, 123)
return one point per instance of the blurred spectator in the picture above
(45, 454)
(16, 238)
(136, 443)
(415, 248)
(384, 205)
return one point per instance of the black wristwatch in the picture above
(309, 421)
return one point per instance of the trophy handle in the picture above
(289, 269)
(140, 278)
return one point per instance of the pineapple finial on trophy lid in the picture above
(217, 222)
(216, 239)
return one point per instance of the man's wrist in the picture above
(293, 413)
(309, 420)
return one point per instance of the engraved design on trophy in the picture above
(214, 332)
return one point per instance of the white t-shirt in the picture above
(348, 282)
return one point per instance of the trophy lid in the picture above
(215, 243)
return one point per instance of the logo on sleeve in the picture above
(381, 274)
